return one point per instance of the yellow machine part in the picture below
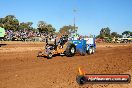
(58, 51)
(129, 38)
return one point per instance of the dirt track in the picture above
(20, 68)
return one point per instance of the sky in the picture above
(90, 15)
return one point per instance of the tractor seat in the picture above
(52, 46)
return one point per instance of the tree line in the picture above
(10, 22)
(106, 33)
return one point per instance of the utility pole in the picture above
(74, 11)
(75, 28)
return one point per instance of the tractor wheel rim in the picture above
(93, 50)
(72, 50)
(50, 55)
(90, 50)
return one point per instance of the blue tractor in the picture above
(85, 46)
(68, 47)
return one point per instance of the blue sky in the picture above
(91, 15)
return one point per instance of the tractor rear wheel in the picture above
(70, 50)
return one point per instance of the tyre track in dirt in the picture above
(25, 70)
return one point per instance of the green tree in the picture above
(105, 32)
(100, 36)
(9, 22)
(1, 22)
(45, 28)
(127, 33)
(12, 23)
(68, 29)
(120, 36)
(116, 35)
(64, 30)
(42, 27)
(50, 28)
(27, 26)
(131, 33)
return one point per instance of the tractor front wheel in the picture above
(49, 56)
(90, 51)
(93, 50)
